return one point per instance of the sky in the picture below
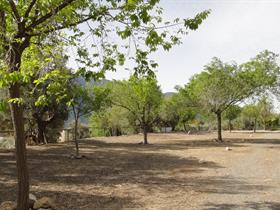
(236, 30)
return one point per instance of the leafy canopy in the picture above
(221, 85)
(118, 28)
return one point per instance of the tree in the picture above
(81, 104)
(185, 108)
(83, 101)
(45, 94)
(251, 112)
(110, 121)
(169, 115)
(221, 85)
(25, 23)
(265, 107)
(231, 113)
(141, 97)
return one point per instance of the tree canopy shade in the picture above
(221, 85)
(31, 23)
(141, 97)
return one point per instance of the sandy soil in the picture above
(176, 171)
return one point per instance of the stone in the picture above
(8, 205)
(202, 161)
(32, 197)
(228, 149)
(44, 203)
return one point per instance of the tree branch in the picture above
(15, 11)
(60, 27)
(127, 108)
(50, 14)
(26, 14)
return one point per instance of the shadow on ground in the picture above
(246, 205)
(74, 183)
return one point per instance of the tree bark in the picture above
(145, 131)
(229, 126)
(255, 125)
(75, 137)
(18, 124)
(219, 125)
(41, 131)
(173, 127)
(21, 159)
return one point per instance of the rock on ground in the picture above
(44, 203)
(8, 205)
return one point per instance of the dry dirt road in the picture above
(176, 171)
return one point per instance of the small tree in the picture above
(83, 101)
(110, 121)
(231, 113)
(169, 113)
(141, 97)
(251, 112)
(265, 107)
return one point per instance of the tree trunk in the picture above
(41, 131)
(145, 131)
(18, 124)
(219, 124)
(229, 126)
(255, 125)
(75, 137)
(173, 128)
(21, 159)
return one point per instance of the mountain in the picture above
(168, 94)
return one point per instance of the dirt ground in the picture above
(176, 171)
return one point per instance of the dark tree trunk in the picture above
(173, 127)
(219, 125)
(21, 159)
(255, 125)
(41, 131)
(76, 137)
(229, 126)
(18, 124)
(145, 131)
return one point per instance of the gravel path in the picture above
(249, 178)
